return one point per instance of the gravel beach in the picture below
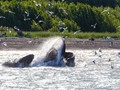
(73, 43)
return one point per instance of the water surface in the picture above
(94, 70)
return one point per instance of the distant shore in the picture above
(16, 43)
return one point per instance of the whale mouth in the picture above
(69, 57)
(51, 55)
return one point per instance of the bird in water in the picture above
(99, 50)
(109, 59)
(95, 53)
(94, 62)
(112, 67)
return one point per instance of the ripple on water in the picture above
(85, 75)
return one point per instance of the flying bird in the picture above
(76, 32)
(94, 26)
(2, 17)
(27, 13)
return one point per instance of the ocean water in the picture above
(94, 70)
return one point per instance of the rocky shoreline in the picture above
(74, 43)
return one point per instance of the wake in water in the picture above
(52, 53)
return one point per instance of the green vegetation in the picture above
(71, 35)
(89, 18)
(68, 35)
(97, 3)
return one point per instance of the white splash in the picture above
(57, 43)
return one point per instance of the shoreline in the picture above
(16, 43)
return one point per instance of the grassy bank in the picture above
(69, 35)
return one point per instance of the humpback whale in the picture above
(56, 55)
(22, 62)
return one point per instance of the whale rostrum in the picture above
(56, 54)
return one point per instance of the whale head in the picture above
(57, 55)
(54, 56)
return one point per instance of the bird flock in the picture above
(27, 18)
(99, 53)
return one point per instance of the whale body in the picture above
(22, 62)
(55, 55)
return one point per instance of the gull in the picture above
(108, 38)
(8, 29)
(2, 17)
(51, 4)
(94, 62)
(19, 32)
(83, 64)
(37, 16)
(29, 42)
(94, 26)
(106, 10)
(27, 13)
(49, 13)
(63, 29)
(26, 19)
(36, 4)
(64, 10)
(10, 12)
(111, 43)
(4, 43)
(109, 59)
(76, 32)
(100, 56)
(1, 27)
(61, 24)
(112, 67)
(95, 53)
(16, 28)
(118, 27)
(36, 23)
(99, 50)
(34, 1)
(41, 21)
